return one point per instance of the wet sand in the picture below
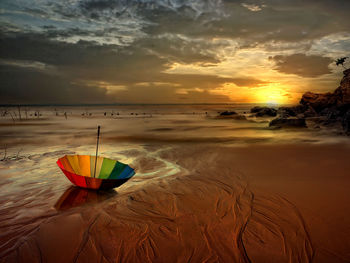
(205, 190)
(255, 203)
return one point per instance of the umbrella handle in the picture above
(98, 138)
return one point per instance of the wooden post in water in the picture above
(19, 112)
(98, 138)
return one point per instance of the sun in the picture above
(272, 94)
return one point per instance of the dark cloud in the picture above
(20, 85)
(143, 61)
(288, 20)
(36, 12)
(147, 53)
(302, 65)
(98, 5)
(23, 85)
(37, 47)
(77, 65)
(181, 50)
(248, 82)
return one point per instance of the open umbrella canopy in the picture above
(88, 172)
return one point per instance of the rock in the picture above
(288, 123)
(286, 112)
(330, 109)
(231, 115)
(318, 101)
(331, 114)
(310, 112)
(239, 117)
(346, 123)
(343, 91)
(228, 113)
(340, 98)
(264, 111)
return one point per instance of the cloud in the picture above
(25, 85)
(35, 65)
(99, 5)
(286, 21)
(252, 7)
(179, 49)
(166, 94)
(302, 65)
(31, 61)
(20, 85)
(108, 44)
(273, 20)
(248, 82)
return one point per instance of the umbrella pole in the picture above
(98, 138)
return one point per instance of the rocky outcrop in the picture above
(318, 101)
(263, 111)
(286, 112)
(338, 100)
(288, 123)
(346, 122)
(327, 108)
(343, 91)
(231, 115)
(228, 113)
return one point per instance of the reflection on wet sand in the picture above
(75, 196)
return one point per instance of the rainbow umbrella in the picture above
(95, 172)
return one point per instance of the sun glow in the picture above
(272, 94)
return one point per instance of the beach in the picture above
(205, 189)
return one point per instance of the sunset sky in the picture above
(127, 51)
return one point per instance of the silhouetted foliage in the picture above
(341, 61)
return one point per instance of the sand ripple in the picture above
(205, 212)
